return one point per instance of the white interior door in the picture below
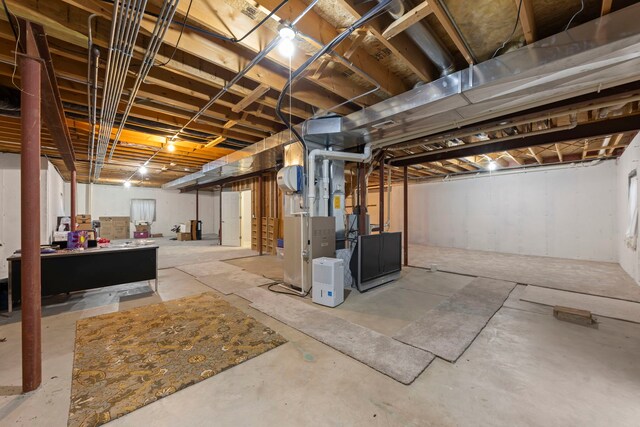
(230, 218)
(245, 221)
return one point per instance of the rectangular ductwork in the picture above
(597, 55)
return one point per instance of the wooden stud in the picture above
(444, 20)
(410, 18)
(527, 20)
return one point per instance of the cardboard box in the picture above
(60, 236)
(184, 236)
(84, 227)
(83, 219)
(154, 235)
(143, 227)
(115, 227)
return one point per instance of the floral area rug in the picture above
(128, 359)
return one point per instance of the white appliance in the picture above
(328, 281)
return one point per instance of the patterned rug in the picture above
(128, 359)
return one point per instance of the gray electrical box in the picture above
(322, 243)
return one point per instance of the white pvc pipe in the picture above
(365, 157)
(325, 188)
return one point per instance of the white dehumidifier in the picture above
(328, 281)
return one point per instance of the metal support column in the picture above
(381, 195)
(362, 193)
(30, 73)
(259, 219)
(197, 205)
(74, 204)
(405, 228)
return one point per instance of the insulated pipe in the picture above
(365, 157)
(30, 72)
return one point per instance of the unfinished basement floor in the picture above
(524, 368)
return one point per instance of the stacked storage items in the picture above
(115, 227)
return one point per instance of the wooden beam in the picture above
(591, 130)
(250, 98)
(456, 37)
(536, 156)
(52, 109)
(355, 44)
(318, 28)
(606, 7)
(401, 47)
(413, 16)
(559, 152)
(224, 55)
(215, 142)
(527, 20)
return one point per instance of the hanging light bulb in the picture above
(142, 170)
(492, 166)
(127, 184)
(171, 148)
(287, 33)
(286, 48)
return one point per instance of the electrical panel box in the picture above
(320, 232)
(328, 281)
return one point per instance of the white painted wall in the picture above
(567, 212)
(627, 257)
(50, 204)
(172, 207)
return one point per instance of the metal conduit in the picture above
(125, 26)
(130, 25)
(93, 54)
(159, 32)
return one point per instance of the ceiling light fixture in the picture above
(492, 166)
(171, 148)
(127, 184)
(286, 46)
(287, 33)
(142, 170)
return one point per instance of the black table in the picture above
(70, 271)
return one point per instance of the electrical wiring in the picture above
(184, 22)
(371, 14)
(515, 27)
(574, 15)
(216, 35)
(288, 293)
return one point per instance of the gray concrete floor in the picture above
(525, 368)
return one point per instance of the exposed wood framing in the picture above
(444, 20)
(250, 98)
(413, 16)
(527, 20)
